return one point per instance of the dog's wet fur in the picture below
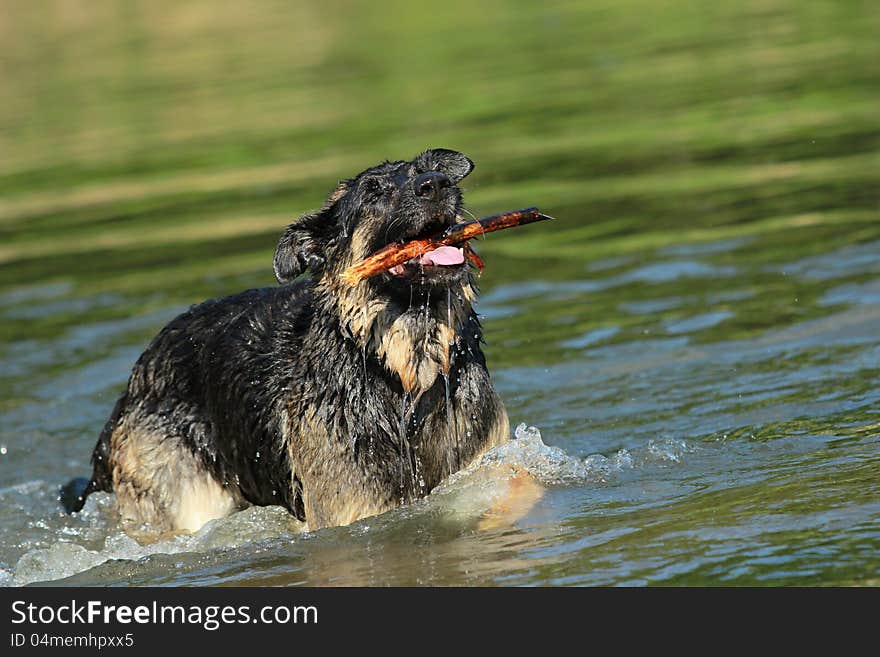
(335, 401)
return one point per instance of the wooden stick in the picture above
(396, 254)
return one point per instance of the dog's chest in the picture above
(416, 355)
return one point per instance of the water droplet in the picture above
(449, 307)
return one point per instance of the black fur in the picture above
(241, 380)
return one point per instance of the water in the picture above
(696, 336)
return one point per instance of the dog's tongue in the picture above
(444, 255)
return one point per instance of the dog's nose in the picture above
(429, 184)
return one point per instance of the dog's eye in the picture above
(374, 188)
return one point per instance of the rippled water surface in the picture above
(695, 338)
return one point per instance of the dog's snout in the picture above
(428, 185)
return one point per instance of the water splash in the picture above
(427, 308)
(364, 340)
(52, 545)
(553, 466)
(410, 465)
(58, 546)
(93, 537)
(56, 562)
(449, 423)
(449, 307)
(403, 450)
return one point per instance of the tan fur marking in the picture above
(158, 481)
(360, 240)
(468, 293)
(416, 357)
(336, 194)
(202, 499)
(332, 494)
(500, 433)
(396, 348)
(445, 338)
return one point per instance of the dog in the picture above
(335, 401)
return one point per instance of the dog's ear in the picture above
(452, 163)
(297, 250)
(302, 245)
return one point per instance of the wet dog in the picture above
(336, 401)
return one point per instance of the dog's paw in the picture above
(520, 492)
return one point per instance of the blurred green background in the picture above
(149, 144)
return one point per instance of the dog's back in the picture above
(199, 412)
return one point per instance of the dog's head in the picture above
(425, 299)
(391, 202)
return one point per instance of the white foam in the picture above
(252, 525)
(56, 562)
(553, 466)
